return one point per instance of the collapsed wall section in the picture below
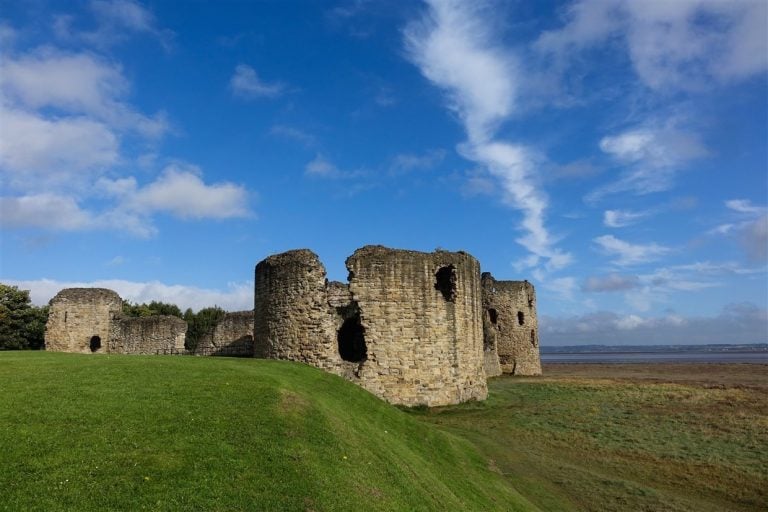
(510, 324)
(147, 335)
(420, 314)
(79, 320)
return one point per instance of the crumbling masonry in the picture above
(413, 328)
(409, 326)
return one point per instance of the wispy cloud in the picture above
(671, 45)
(246, 83)
(295, 134)
(626, 253)
(455, 47)
(116, 21)
(622, 218)
(410, 162)
(651, 157)
(749, 225)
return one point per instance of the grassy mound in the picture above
(181, 433)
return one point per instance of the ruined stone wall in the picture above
(392, 330)
(232, 336)
(510, 322)
(147, 335)
(79, 320)
(423, 331)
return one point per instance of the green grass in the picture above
(182, 433)
(582, 444)
(80, 432)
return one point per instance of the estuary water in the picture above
(657, 357)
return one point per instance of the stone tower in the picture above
(80, 320)
(510, 323)
(407, 327)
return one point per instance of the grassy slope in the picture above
(169, 433)
(585, 444)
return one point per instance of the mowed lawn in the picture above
(626, 437)
(83, 432)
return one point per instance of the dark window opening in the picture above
(533, 337)
(95, 343)
(65, 316)
(493, 315)
(445, 282)
(520, 317)
(351, 338)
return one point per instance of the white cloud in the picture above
(652, 156)
(455, 47)
(77, 84)
(36, 152)
(630, 254)
(47, 211)
(684, 44)
(622, 218)
(745, 206)
(236, 296)
(245, 82)
(321, 167)
(180, 191)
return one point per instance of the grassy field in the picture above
(180, 433)
(81, 432)
(626, 437)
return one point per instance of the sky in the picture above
(613, 153)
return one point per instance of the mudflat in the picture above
(727, 375)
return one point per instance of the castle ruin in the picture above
(413, 328)
(91, 320)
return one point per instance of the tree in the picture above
(201, 324)
(22, 325)
(151, 309)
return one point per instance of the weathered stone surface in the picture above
(510, 323)
(407, 327)
(147, 335)
(90, 320)
(232, 336)
(80, 319)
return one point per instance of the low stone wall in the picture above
(510, 322)
(147, 335)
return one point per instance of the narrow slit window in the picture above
(520, 317)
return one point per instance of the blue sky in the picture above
(613, 153)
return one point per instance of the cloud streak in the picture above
(454, 47)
